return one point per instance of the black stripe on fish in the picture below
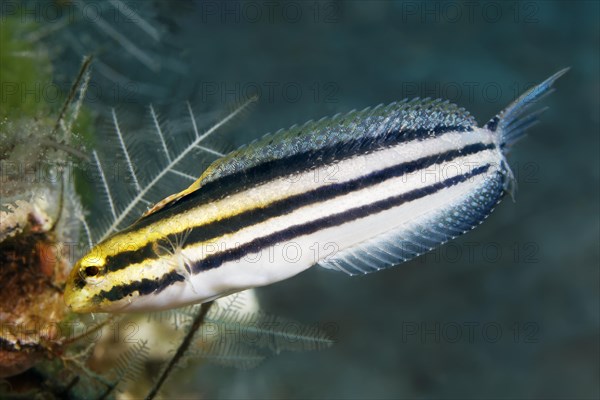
(281, 167)
(216, 229)
(215, 260)
(144, 287)
(148, 286)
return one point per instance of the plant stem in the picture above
(185, 344)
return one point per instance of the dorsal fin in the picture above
(406, 115)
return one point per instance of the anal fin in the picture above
(407, 242)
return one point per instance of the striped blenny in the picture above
(358, 193)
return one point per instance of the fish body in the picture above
(357, 193)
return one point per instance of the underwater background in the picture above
(510, 310)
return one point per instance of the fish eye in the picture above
(91, 271)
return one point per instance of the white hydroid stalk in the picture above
(159, 131)
(105, 185)
(127, 157)
(171, 167)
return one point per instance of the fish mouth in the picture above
(73, 303)
(76, 299)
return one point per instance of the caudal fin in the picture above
(514, 120)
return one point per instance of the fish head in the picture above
(95, 281)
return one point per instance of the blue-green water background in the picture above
(509, 310)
